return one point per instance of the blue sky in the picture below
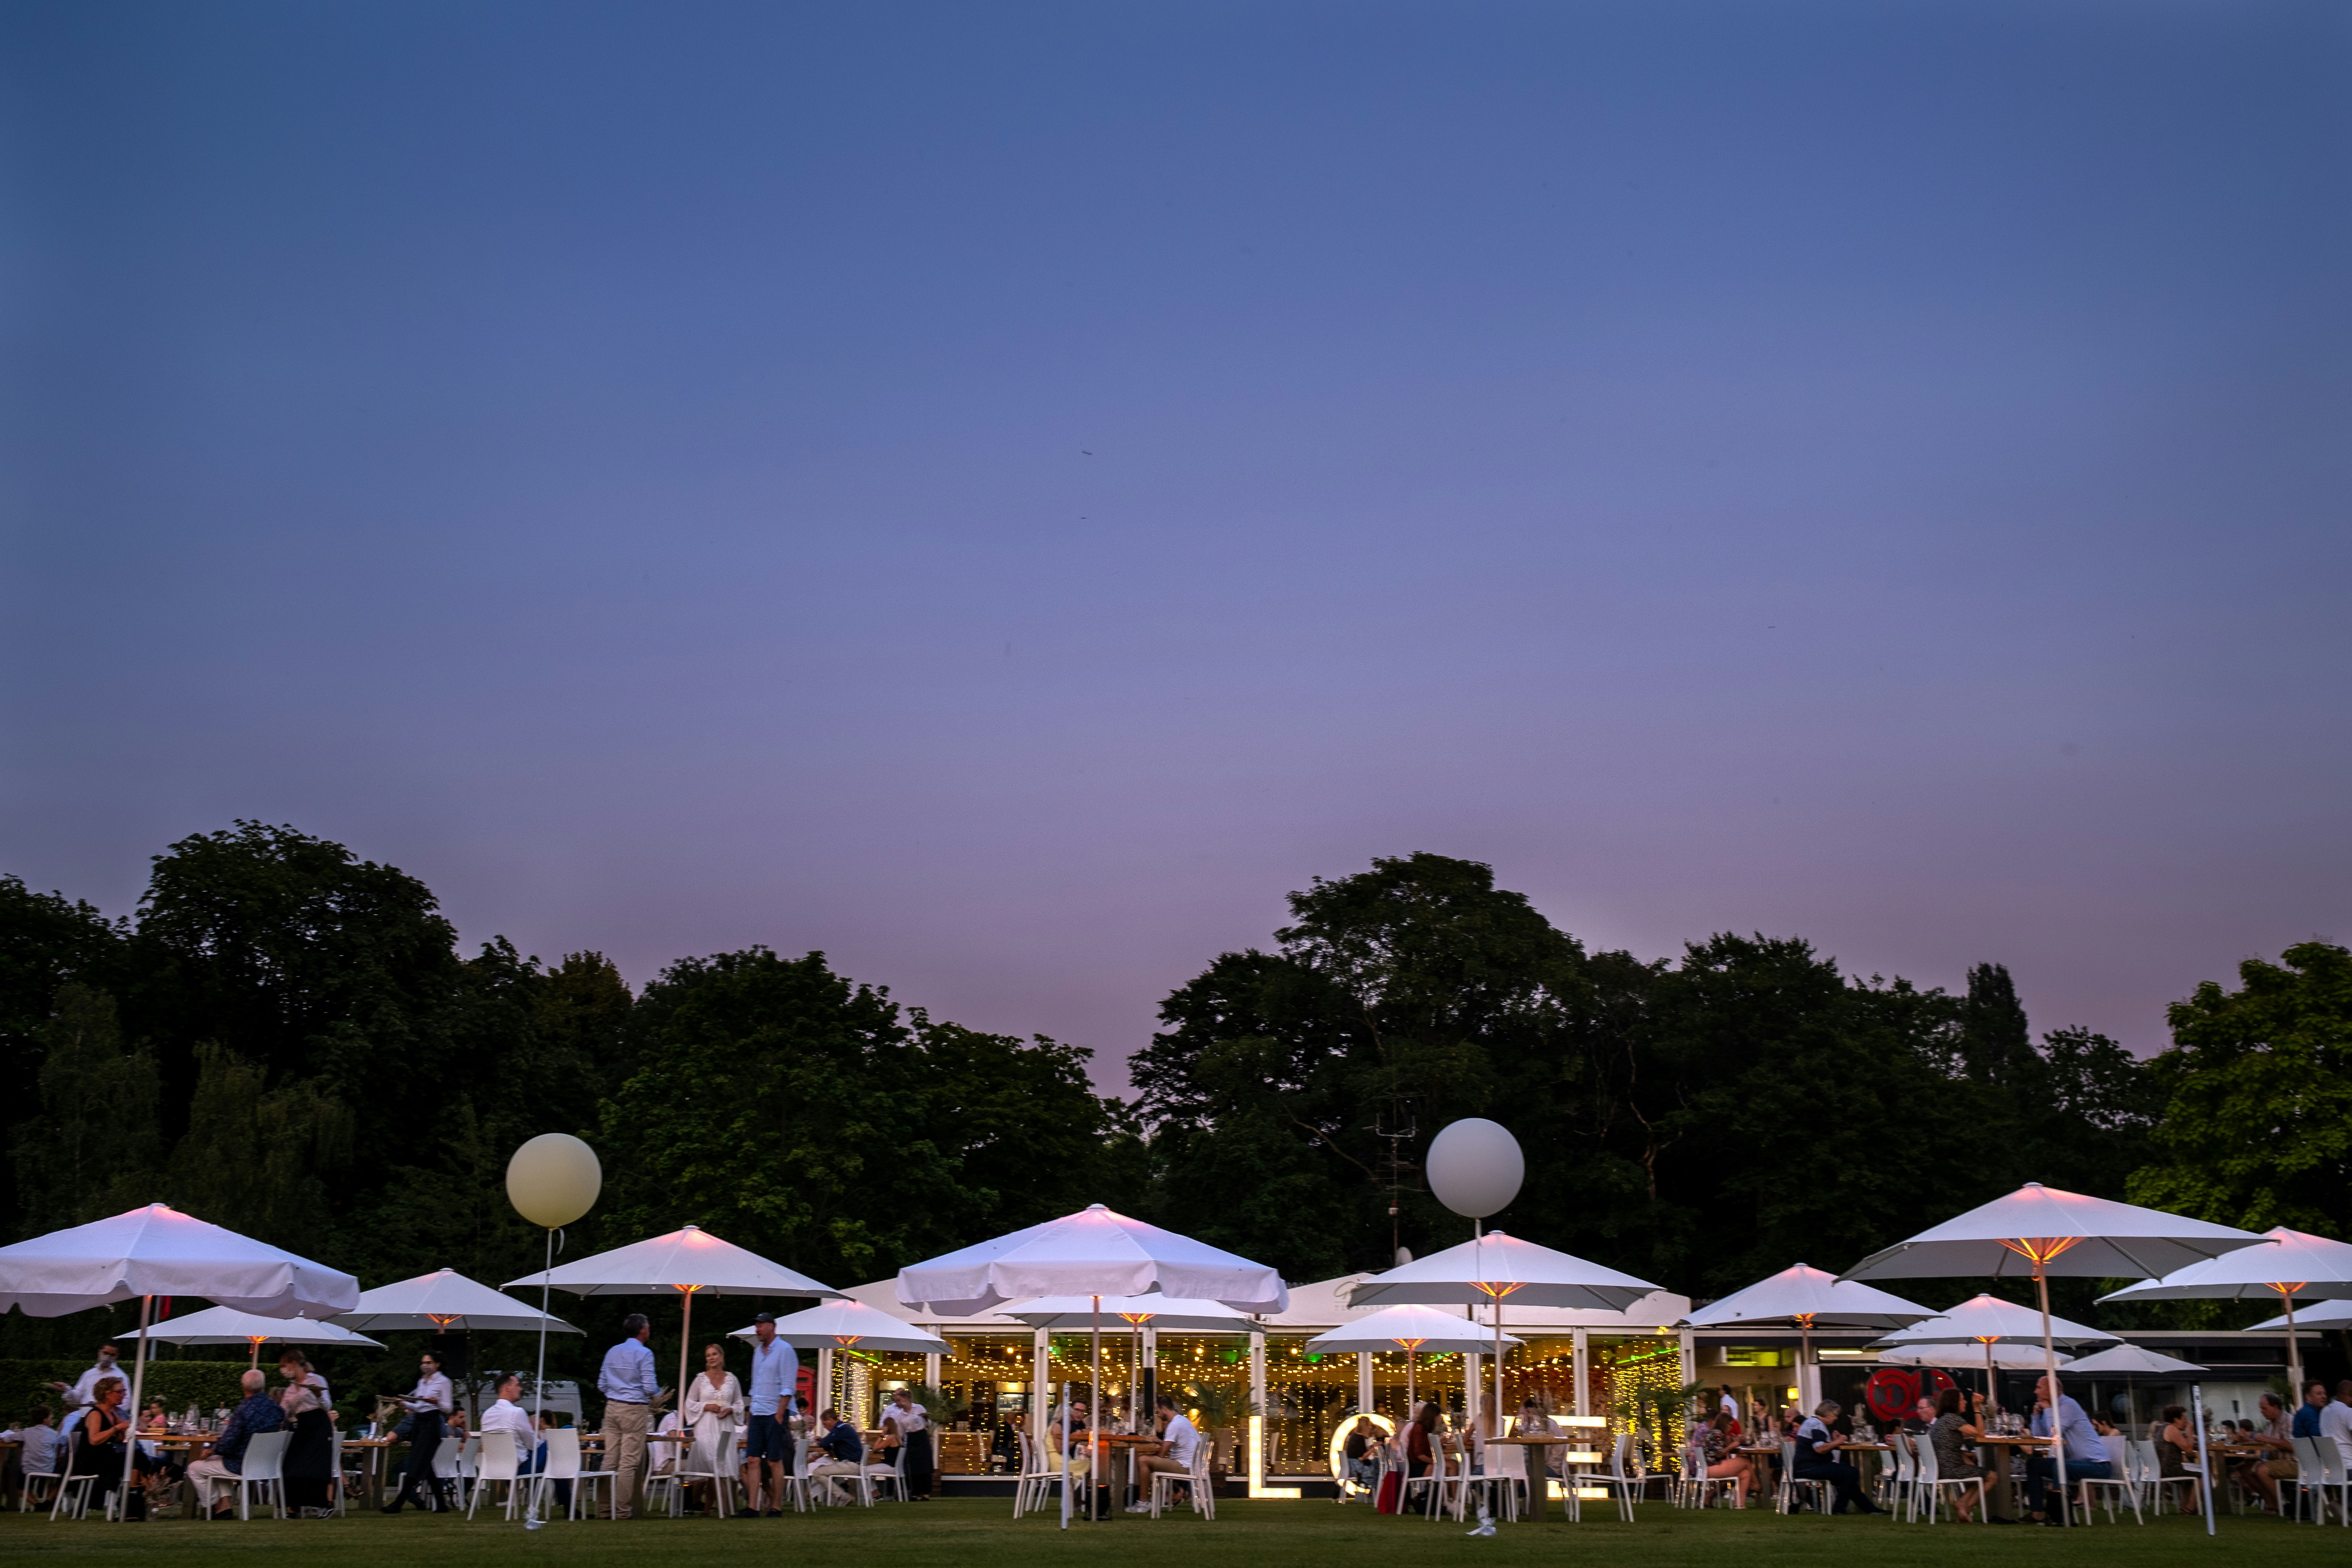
(1003, 493)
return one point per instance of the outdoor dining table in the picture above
(372, 1473)
(1539, 1476)
(2001, 1496)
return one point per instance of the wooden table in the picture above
(370, 1474)
(1539, 1476)
(2002, 1497)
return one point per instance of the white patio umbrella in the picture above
(1807, 1297)
(850, 1325)
(2042, 1230)
(1169, 1314)
(1094, 1253)
(1985, 1322)
(2326, 1315)
(445, 1301)
(1493, 1266)
(227, 1326)
(1961, 1352)
(158, 1251)
(1410, 1329)
(2130, 1360)
(2284, 1265)
(691, 1262)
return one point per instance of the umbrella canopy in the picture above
(1169, 1314)
(2326, 1315)
(227, 1326)
(2042, 1230)
(1410, 1329)
(445, 1301)
(2284, 1264)
(1969, 1353)
(1095, 1252)
(1811, 1298)
(1490, 1268)
(159, 1251)
(2124, 1360)
(1988, 1319)
(853, 1325)
(690, 1261)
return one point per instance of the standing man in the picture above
(629, 1388)
(768, 1447)
(428, 1405)
(82, 1391)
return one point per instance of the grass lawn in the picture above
(981, 1534)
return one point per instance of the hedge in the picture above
(207, 1384)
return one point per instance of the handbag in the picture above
(1391, 1491)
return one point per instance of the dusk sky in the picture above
(1003, 493)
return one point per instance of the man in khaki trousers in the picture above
(630, 1387)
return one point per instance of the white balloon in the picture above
(553, 1179)
(1476, 1167)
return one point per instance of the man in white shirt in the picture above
(2336, 1420)
(1179, 1441)
(508, 1415)
(81, 1393)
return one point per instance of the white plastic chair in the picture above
(701, 1462)
(24, 1499)
(263, 1466)
(564, 1464)
(892, 1475)
(1196, 1479)
(1036, 1480)
(1434, 1479)
(2319, 1467)
(2124, 1488)
(496, 1462)
(2152, 1475)
(1623, 1478)
(72, 1500)
(1931, 1481)
(1792, 1483)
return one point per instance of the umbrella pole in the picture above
(1499, 1412)
(685, 1330)
(538, 1379)
(256, 1359)
(1094, 1427)
(2050, 1370)
(138, 1386)
(2294, 1357)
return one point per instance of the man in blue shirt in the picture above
(844, 1451)
(630, 1387)
(2086, 1457)
(256, 1413)
(2307, 1414)
(767, 1446)
(1817, 1460)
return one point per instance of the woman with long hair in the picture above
(714, 1407)
(309, 1463)
(1421, 1439)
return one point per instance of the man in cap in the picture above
(767, 1446)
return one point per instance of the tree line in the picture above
(285, 1038)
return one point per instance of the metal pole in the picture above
(2050, 1369)
(1067, 1476)
(138, 1385)
(2294, 1357)
(2205, 1466)
(539, 1378)
(1093, 1426)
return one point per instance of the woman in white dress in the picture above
(714, 1407)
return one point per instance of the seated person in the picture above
(224, 1459)
(1180, 1441)
(1951, 1437)
(1922, 1417)
(1817, 1460)
(1360, 1452)
(507, 1415)
(2276, 1463)
(2176, 1454)
(102, 1442)
(44, 1445)
(1720, 1439)
(844, 1452)
(2086, 1455)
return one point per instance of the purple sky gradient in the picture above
(1003, 493)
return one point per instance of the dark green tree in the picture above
(2257, 1086)
(92, 1149)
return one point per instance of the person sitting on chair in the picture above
(100, 1442)
(1360, 1452)
(224, 1460)
(1719, 1440)
(1180, 1440)
(44, 1445)
(845, 1451)
(2086, 1457)
(1817, 1460)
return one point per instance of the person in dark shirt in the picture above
(1360, 1451)
(845, 1451)
(256, 1413)
(1817, 1460)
